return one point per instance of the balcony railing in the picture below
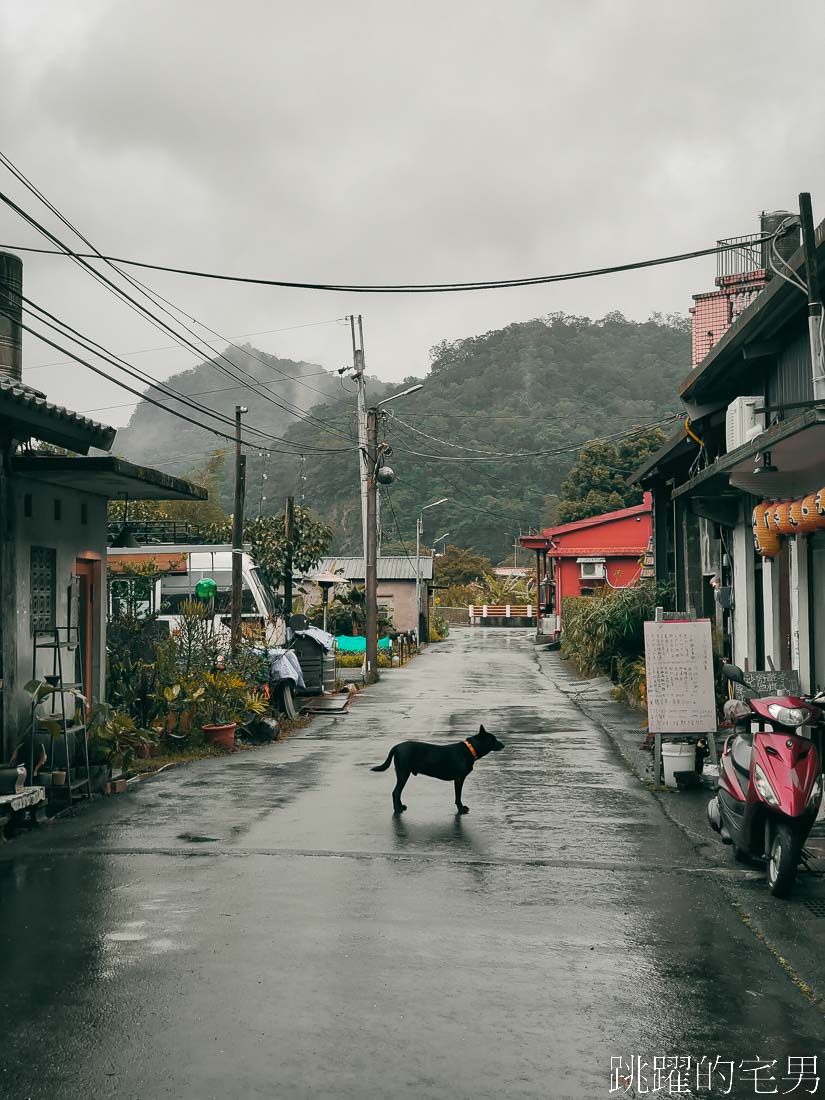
(158, 532)
(746, 258)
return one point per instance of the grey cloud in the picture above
(373, 141)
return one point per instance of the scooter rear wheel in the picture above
(783, 860)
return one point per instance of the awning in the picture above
(535, 542)
(797, 450)
(107, 476)
(124, 561)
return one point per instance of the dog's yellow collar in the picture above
(472, 750)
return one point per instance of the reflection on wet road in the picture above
(262, 926)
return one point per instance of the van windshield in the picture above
(263, 588)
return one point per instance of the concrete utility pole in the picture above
(358, 366)
(371, 548)
(237, 533)
(814, 295)
(289, 535)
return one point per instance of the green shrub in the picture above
(355, 660)
(604, 634)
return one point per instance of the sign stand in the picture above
(680, 687)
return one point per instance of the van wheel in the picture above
(285, 699)
(783, 861)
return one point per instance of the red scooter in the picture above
(770, 783)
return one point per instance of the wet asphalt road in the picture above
(262, 926)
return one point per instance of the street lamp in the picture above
(440, 539)
(325, 581)
(419, 530)
(404, 393)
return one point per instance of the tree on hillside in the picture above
(267, 535)
(459, 567)
(598, 480)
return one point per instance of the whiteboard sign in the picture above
(680, 690)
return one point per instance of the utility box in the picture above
(317, 664)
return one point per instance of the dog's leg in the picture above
(402, 775)
(462, 809)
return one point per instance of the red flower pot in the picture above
(221, 735)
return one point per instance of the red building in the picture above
(583, 557)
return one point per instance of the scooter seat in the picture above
(741, 752)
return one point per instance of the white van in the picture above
(158, 579)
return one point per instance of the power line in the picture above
(240, 336)
(550, 453)
(131, 302)
(150, 400)
(87, 344)
(386, 493)
(398, 288)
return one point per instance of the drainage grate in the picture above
(816, 906)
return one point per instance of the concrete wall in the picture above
(79, 532)
(401, 594)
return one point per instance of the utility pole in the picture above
(814, 295)
(303, 480)
(289, 535)
(419, 530)
(358, 371)
(237, 534)
(369, 460)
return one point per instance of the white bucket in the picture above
(677, 756)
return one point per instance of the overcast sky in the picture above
(382, 142)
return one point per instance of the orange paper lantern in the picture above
(810, 521)
(819, 504)
(781, 519)
(795, 516)
(767, 544)
(761, 518)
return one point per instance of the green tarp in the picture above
(348, 644)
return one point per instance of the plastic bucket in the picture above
(677, 757)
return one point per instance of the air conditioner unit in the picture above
(591, 569)
(743, 422)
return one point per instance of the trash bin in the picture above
(316, 653)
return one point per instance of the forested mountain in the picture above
(546, 385)
(158, 438)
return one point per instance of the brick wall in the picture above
(714, 312)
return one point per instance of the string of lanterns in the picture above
(773, 520)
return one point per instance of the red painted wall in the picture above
(620, 537)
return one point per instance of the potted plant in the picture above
(225, 702)
(50, 725)
(115, 737)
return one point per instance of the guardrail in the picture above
(477, 612)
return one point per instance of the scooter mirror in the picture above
(733, 673)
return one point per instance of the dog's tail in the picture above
(383, 767)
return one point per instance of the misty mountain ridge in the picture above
(549, 384)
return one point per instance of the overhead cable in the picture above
(137, 306)
(397, 288)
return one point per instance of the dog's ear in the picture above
(481, 729)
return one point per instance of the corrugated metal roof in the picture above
(49, 422)
(394, 568)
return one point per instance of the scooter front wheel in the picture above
(783, 860)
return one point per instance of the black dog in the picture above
(438, 761)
